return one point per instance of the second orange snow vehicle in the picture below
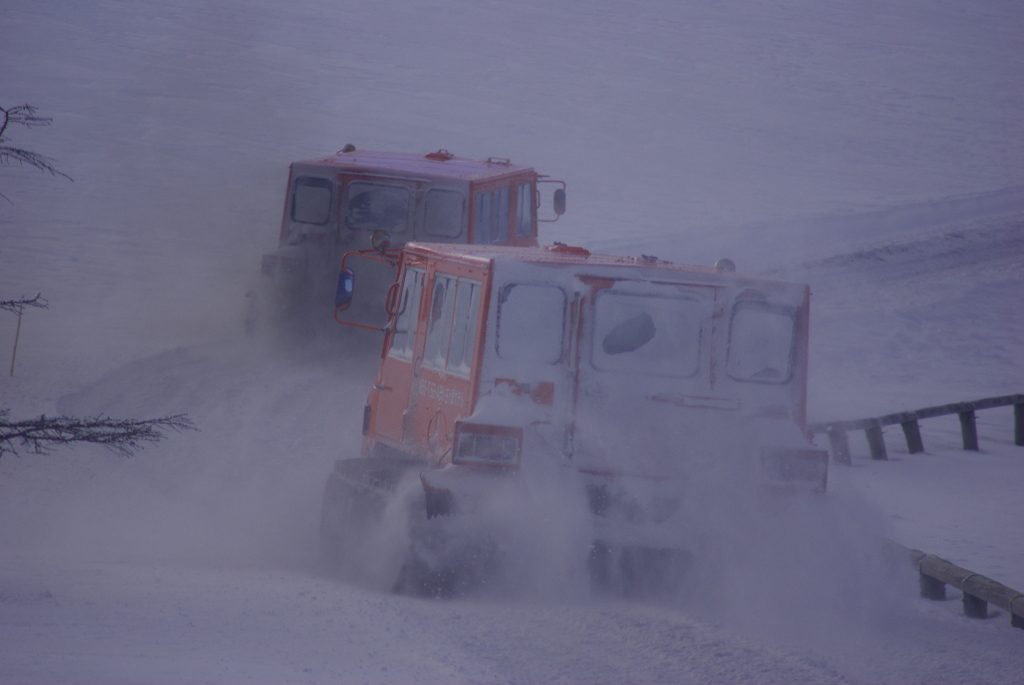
(631, 375)
(364, 200)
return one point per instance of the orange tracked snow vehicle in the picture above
(629, 375)
(364, 200)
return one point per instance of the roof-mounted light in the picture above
(562, 248)
(441, 155)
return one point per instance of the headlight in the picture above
(483, 444)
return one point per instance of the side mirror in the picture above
(560, 201)
(346, 286)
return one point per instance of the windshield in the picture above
(761, 341)
(657, 334)
(376, 206)
(444, 213)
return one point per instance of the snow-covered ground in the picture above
(872, 150)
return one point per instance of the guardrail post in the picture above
(969, 430)
(876, 443)
(912, 432)
(1018, 424)
(931, 588)
(840, 444)
(975, 607)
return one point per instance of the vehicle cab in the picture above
(359, 200)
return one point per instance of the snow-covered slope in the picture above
(871, 150)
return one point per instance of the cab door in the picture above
(390, 396)
(444, 371)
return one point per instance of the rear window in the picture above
(531, 323)
(311, 200)
(648, 334)
(761, 343)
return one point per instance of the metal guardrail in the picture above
(978, 591)
(934, 572)
(872, 427)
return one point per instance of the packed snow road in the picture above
(166, 623)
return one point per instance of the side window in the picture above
(531, 323)
(439, 325)
(490, 226)
(467, 305)
(376, 206)
(524, 211)
(403, 339)
(761, 341)
(451, 331)
(444, 213)
(311, 200)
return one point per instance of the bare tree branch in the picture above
(25, 115)
(18, 306)
(122, 436)
(9, 155)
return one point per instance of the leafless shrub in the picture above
(18, 306)
(25, 115)
(122, 436)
